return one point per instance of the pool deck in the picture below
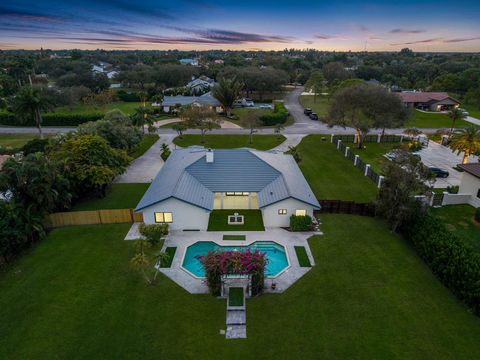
(195, 285)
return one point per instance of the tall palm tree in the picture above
(455, 114)
(226, 92)
(467, 141)
(29, 102)
(142, 116)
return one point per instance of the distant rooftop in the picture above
(471, 168)
(423, 97)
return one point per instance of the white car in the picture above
(266, 106)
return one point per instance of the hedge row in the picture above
(300, 223)
(51, 119)
(453, 261)
(279, 115)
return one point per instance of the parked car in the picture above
(307, 111)
(439, 173)
(313, 116)
(248, 103)
(266, 106)
(464, 112)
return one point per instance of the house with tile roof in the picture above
(196, 181)
(430, 101)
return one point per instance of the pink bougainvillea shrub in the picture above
(218, 263)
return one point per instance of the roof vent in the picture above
(209, 157)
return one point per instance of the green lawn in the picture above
(330, 175)
(260, 142)
(369, 297)
(472, 110)
(302, 256)
(373, 153)
(127, 107)
(253, 220)
(460, 220)
(171, 254)
(235, 237)
(235, 296)
(242, 113)
(120, 196)
(15, 141)
(421, 119)
(320, 106)
(147, 141)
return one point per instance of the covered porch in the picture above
(240, 200)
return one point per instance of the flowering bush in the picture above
(218, 263)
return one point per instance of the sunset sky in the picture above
(422, 25)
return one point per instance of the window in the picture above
(300, 212)
(163, 217)
(237, 193)
(478, 193)
(235, 219)
(282, 211)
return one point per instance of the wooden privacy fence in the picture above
(73, 218)
(346, 207)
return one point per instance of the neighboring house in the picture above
(201, 84)
(470, 183)
(193, 62)
(112, 74)
(432, 101)
(194, 181)
(170, 103)
(219, 61)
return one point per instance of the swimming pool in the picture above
(275, 253)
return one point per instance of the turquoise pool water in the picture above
(275, 253)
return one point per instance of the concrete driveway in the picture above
(436, 155)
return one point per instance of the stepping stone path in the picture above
(236, 324)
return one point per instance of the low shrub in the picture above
(35, 145)
(452, 260)
(165, 152)
(279, 115)
(51, 119)
(8, 150)
(300, 223)
(453, 189)
(128, 96)
(153, 233)
(477, 215)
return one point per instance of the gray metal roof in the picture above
(187, 176)
(205, 99)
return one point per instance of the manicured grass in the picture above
(242, 113)
(119, 196)
(369, 297)
(373, 153)
(320, 106)
(127, 107)
(171, 253)
(330, 175)
(260, 142)
(147, 141)
(302, 256)
(460, 220)
(422, 119)
(15, 141)
(472, 110)
(253, 220)
(235, 296)
(234, 237)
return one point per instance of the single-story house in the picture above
(195, 181)
(192, 62)
(432, 101)
(470, 182)
(169, 103)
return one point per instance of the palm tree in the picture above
(30, 102)
(142, 116)
(226, 92)
(466, 140)
(455, 114)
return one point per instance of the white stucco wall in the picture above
(185, 216)
(470, 185)
(271, 218)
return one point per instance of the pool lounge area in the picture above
(284, 271)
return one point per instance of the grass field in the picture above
(260, 142)
(242, 114)
(127, 107)
(120, 196)
(320, 106)
(472, 110)
(421, 119)
(369, 297)
(331, 175)
(460, 220)
(15, 141)
(373, 153)
(253, 220)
